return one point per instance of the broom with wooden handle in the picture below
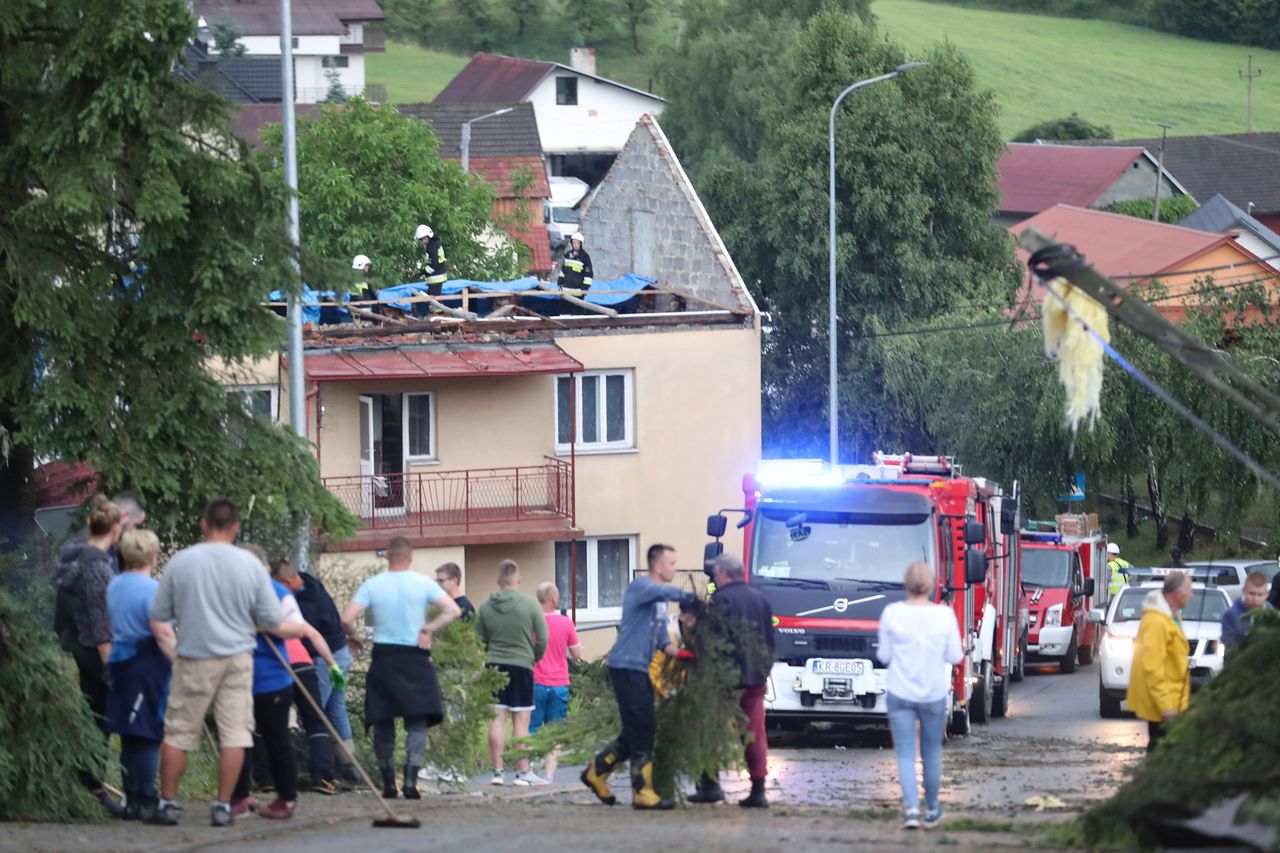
(392, 820)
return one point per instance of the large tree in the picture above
(915, 174)
(367, 176)
(137, 240)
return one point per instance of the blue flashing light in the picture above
(1031, 536)
(797, 473)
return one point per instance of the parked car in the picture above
(1201, 621)
(1233, 584)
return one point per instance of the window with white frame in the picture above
(260, 400)
(334, 61)
(603, 406)
(605, 567)
(420, 426)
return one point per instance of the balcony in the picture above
(473, 506)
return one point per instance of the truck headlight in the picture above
(1053, 616)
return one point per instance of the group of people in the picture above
(575, 271)
(222, 629)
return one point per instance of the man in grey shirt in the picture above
(219, 598)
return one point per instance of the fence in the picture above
(424, 499)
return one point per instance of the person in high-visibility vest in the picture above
(575, 268)
(435, 273)
(1114, 564)
(362, 265)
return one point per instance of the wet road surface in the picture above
(830, 787)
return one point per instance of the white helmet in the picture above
(359, 262)
(423, 231)
(1113, 549)
(577, 235)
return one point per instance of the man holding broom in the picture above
(401, 680)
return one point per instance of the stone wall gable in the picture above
(645, 217)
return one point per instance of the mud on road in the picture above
(829, 788)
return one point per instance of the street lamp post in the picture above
(466, 135)
(832, 404)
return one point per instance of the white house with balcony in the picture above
(330, 40)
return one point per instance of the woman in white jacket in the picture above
(919, 642)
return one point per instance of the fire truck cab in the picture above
(828, 548)
(1064, 566)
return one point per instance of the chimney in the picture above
(583, 59)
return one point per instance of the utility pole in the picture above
(1164, 133)
(1250, 76)
(297, 376)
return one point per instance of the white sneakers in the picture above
(431, 773)
(529, 778)
(498, 778)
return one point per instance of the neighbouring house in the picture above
(330, 40)
(583, 119)
(1035, 176)
(506, 151)
(1220, 215)
(242, 80)
(567, 434)
(248, 120)
(1129, 249)
(1243, 167)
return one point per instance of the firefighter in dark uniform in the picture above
(575, 268)
(434, 271)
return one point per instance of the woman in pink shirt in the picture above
(551, 673)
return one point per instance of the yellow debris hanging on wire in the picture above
(1078, 354)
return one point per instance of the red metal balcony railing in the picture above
(461, 499)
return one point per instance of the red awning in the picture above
(441, 363)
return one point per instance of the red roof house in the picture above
(1036, 176)
(1129, 249)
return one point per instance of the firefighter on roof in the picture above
(362, 265)
(434, 271)
(575, 269)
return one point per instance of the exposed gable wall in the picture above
(646, 218)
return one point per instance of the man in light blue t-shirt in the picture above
(401, 681)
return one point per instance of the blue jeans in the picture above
(139, 763)
(549, 704)
(932, 717)
(333, 701)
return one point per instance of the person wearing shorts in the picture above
(218, 598)
(551, 673)
(514, 633)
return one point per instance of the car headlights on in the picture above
(1115, 644)
(1053, 616)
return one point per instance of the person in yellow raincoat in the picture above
(1160, 680)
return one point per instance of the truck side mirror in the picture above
(975, 533)
(1009, 518)
(975, 566)
(711, 550)
(1088, 587)
(716, 525)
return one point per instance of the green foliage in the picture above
(915, 181)
(1064, 129)
(1172, 210)
(367, 176)
(1224, 745)
(526, 12)
(466, 683)
(410, 20)
(226, 39)
(700, 727)
(592, 722)
(1238, 21)
(137, 238)
(46, 731)
(461, 742)
(335, 94)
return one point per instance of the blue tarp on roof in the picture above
(312, 308)
(616, 291)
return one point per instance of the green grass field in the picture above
(412, 75)
(1125, 77)
(1040, 68)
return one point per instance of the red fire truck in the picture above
(1064, 572)
(828, 548)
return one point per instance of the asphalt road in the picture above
(829, 788)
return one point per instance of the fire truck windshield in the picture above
(839, 548)
(1046, 567)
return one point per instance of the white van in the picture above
(560, 212)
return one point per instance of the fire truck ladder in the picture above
(1050, 260)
